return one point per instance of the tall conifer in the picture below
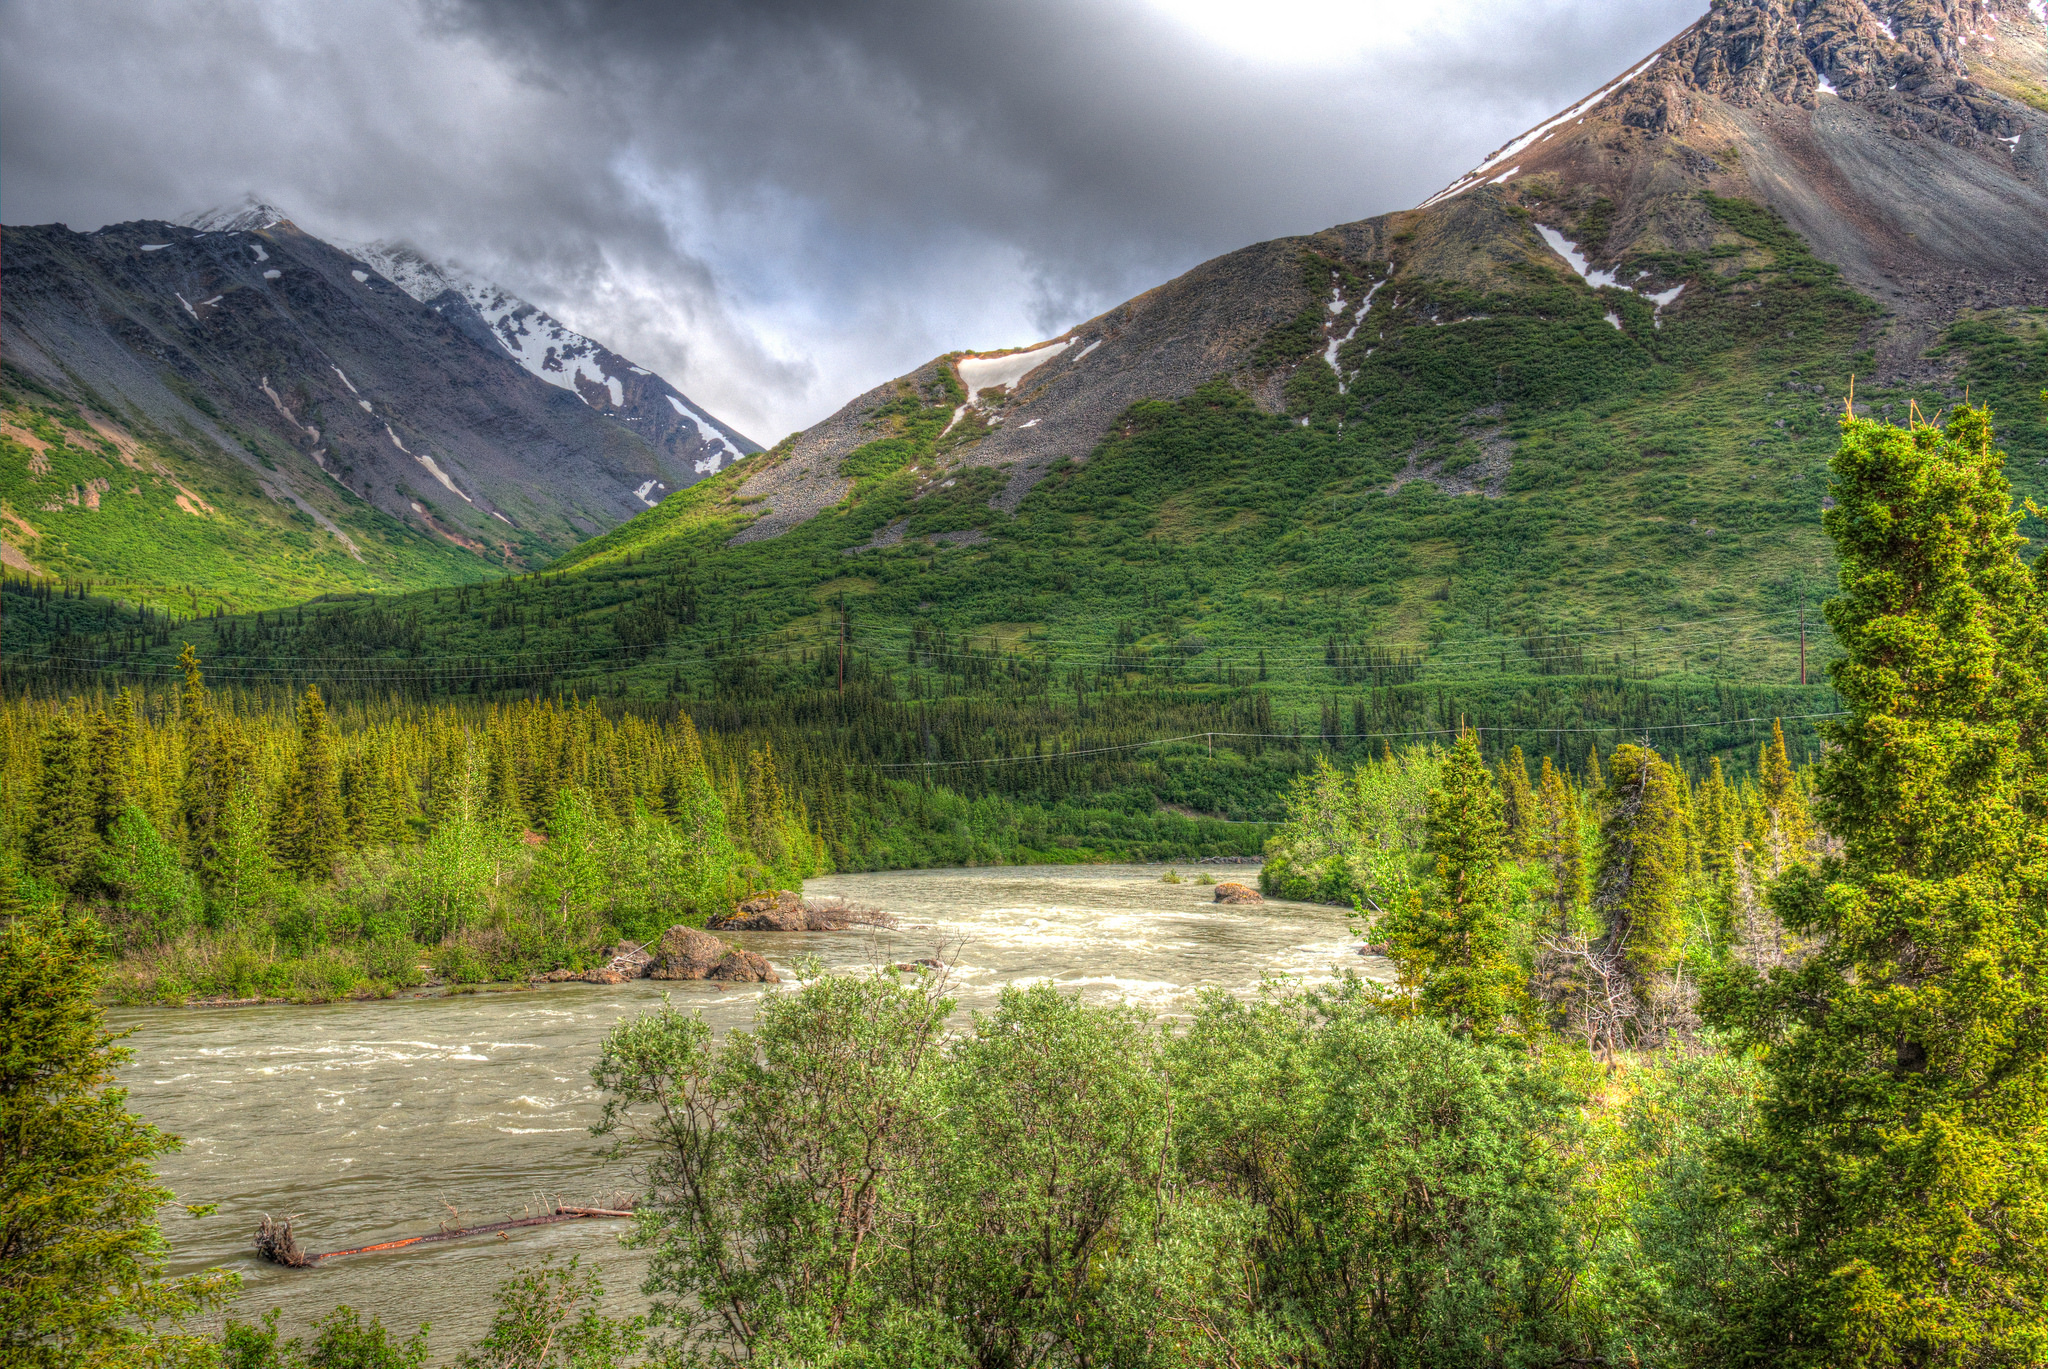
(309, 829)
(1559, 845)
(61, 839)
(1642, 861)
(1901, 1149)
(1451, 939)
(1787, 827)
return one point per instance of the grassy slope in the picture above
(1213, 567)
(179, 525)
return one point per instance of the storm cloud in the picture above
(779, 203)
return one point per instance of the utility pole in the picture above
(1802, 640)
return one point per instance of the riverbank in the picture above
(349, 962)
(478, 1097)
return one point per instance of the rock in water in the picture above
(780, 911)
(686, 953)
(744, 967)
(1238, 893)
(784, 911)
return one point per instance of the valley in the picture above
(1601, 608)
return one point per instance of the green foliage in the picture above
(1407, 1181)
(142, 873)
(340, 1340)
(1451, 938)
(548, 1317)
(764, 1231)
(61, 839)
(1642, 862)
(177, 524)
(1900, 1149)
(309, 830)
(1357, 837)
(81, 1258)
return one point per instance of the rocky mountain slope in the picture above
(1906, 141)
(374, 397)
(1547, 453)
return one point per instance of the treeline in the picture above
(236, 846)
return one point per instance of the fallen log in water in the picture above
(275, 1242)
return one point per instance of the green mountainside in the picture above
(1546, 455)
(153, 518)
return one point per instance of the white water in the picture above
(370, 1121)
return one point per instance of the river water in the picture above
(372, 1121)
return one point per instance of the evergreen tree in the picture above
(1787, 828)
(1451, 939)
(355, 802)
(309, 829)
(1717, 823)
(1594, 781)
(80, 1254)
(238, 873)
(61, 840)
(1518, 803)
(1900, 1149)
(113, 762)
(1559, 845)
(1642, 862)
(503, 795)
(217, 757)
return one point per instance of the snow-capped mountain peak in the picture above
(545, 347)
(250, 215)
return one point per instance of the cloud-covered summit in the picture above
(779, 203)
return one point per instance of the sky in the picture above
(778, 204)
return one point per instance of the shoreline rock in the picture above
(786, 911)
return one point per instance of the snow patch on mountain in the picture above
(1477, 174)
(540, 344)
(251, 215)
(709, 433)
(1569, 250)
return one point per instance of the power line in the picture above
(1411, 735)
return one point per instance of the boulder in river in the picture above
(686, 953)
(1238, 893)
(744, 967)
(784, 911)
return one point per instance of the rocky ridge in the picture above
(466, 413)
(1905, 140)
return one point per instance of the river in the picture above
(371, 1121)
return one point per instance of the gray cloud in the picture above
(778, 203)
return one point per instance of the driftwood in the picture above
(274, 1240)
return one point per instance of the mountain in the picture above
(335, 418)
(1546, 453)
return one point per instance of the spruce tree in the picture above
(1518, 803)
(1558, 844)
(309, 827)
(355, 802)
(1716, 822)
(81, 1279)
(1642, 862)
(1787, 827)
(61, 839)
(217, 757)
(113, 762)
(1901, 1151)
(1450, 939)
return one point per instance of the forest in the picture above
(1684, 1064)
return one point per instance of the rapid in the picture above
(371, 1121)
